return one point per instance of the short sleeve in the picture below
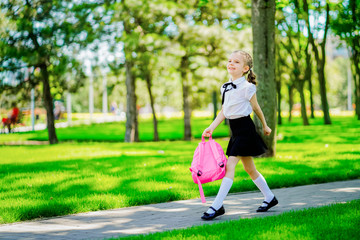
(251, 90)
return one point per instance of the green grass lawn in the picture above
(338, 221)
(173, 129)
(73, 177)
(169, 129)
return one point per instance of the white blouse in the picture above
(237, 100)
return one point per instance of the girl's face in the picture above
(236, 65)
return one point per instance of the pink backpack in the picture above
(208, 164)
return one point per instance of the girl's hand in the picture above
(267, 130)
(207, 132)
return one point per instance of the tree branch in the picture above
(322, 45)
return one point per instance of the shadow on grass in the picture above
(77, 185)
(162, 217)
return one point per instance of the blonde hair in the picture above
(251, 77)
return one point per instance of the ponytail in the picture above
(251, 77)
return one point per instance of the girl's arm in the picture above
(256, 108)
(219, 118)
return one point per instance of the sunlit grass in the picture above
(337, 221)
(169, 129)
(72, 177)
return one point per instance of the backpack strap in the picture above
(200, 190)
(212, 146)
(202, 145)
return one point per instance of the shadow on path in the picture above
(174, 215)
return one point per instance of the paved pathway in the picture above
(179, 214)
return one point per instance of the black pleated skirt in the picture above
(245, 141)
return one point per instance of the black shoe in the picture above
(210, 216)
(269, 205)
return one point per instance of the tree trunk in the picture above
(291, 101)
(324, 102)
(186, 97)
(356, 77)
(278, 89)
(320, 61)
(357, 102)
(301, 84)
(278, 78)
(357, 105)
(355, 59)
(155, 123)
(214, 98)
(263, 29)
(312, 115)
(308, 74)
(300, 88)
(131, 133)
(48, 103)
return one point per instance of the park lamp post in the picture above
(91, 94)
(32, 107)
(104, 97)
(32, 98)
(88, 69)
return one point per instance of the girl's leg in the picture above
(257, 178)
(230, 167)
(225, 184)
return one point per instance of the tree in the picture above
(319, 51)
(153, 40)
(263, 23)
(40, 33)
(278, 75)
(296, 45)
(147, 63)
(309, 79)
(186, 38)
(347, 26)
(202, 27)
(138, 23)
(282, 73)
(225, 24)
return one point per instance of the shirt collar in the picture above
(238, 80)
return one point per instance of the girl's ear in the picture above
(246, 69)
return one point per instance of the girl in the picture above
(239, 100)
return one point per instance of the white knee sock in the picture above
(223, 191)
(264, 188)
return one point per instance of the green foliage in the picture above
(156, 40)
(50, 33)
(161, 32)
(44, 36)
(346, 23)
